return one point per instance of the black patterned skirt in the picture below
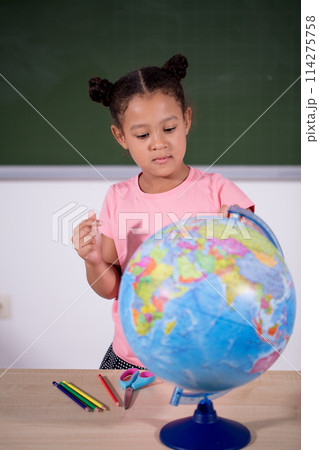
(112, 361)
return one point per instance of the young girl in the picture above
(151, 122)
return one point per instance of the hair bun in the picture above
(100, 90)
(177, 66)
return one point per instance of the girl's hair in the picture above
(143, 81)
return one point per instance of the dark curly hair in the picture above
(143, 81)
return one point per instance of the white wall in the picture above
(45, 278)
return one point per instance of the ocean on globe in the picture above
(207, 304)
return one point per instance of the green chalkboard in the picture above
(243, 55)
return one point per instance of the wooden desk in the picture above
(36, 415)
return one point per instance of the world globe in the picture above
(208, 303)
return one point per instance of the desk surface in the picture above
(36, 415)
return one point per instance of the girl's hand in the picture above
(87, 239)
(224, 211)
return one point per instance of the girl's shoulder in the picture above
(213, 182)
(208, 178)
(121, 189)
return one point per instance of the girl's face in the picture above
(154, 131)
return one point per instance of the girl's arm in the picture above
(104, 277)
(100, 256)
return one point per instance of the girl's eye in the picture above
(145, 135)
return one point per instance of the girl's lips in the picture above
(162, 160)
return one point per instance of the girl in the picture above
(151, 122)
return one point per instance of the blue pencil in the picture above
(71, 396)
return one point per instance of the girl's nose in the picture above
(158, 142)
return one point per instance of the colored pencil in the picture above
(109, 390)
(82, 399)
(87, 396)
(71, 396)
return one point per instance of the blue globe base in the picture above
(205, 430)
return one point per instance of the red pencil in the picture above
(109, 390)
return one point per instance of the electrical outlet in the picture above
(5, 306)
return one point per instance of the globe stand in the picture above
(205, 430)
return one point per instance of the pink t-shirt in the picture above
(130, 216)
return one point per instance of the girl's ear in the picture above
(119, 136)
(187, 119)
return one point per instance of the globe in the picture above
(208, 304)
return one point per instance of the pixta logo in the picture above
(65, 220)
(145, 223)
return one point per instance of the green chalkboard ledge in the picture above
(283, 173)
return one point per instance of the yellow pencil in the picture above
(88, 397)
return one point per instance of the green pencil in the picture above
(84, 400)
